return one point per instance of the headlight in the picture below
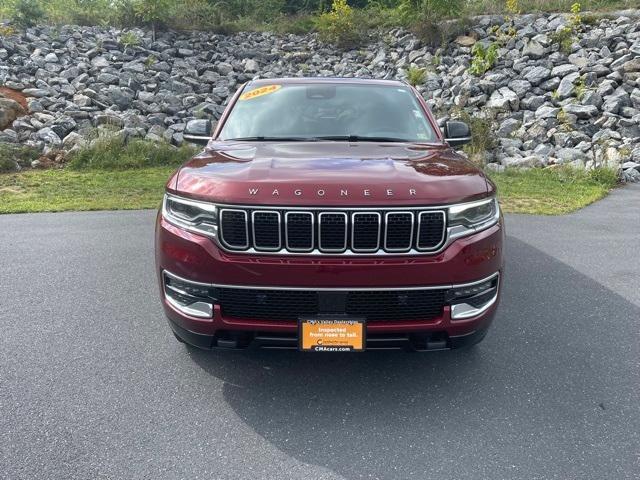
(474, 216)
(199, 217)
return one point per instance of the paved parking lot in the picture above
(93, 385)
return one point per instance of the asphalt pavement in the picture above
(94, 386)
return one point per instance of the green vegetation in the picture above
(338, 25)
(483, 127)
(129, 39)
(68, 190)
(341, 21)
(416, 76)
(483, 58)
(565, 37)
(553, 190)
(108, 175)
(11, 154)
(112, 153)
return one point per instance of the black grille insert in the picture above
(399, 231)
(299, 231)
(268, 304)
(333, 231)
(372, 305)
(233, 225)
(430, 230)
(266, 230)
(365, 232)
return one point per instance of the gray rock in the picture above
(632, 65)
(81, 100)
(534, 49)
(49, 137)
(507, 127)
(537, 75)
(100, 62)
(547, 111)
(223, 68)
(582, 112)
(8, 136)
(504, 100)
(614, 102)
(122, 97)
(566, 87)
(592, 98)
(566, 155)
(563, 70)
(251, 66)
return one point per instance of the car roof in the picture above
(327, 80)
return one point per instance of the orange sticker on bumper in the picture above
(258, 92)
(332, 335)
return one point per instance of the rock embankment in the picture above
(546, 102)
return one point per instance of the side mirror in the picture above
(457, 133)
(198, 131)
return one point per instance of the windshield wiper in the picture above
(361, 138)
(271, 139)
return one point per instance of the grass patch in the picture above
(552, 191)
(112, 153)
(68, 190)
(548, 192)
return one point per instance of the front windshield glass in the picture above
(317, 111)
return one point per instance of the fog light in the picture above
(191, 298)
(472, 300)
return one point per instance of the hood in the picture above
(330, 173)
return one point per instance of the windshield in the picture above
(317, 111)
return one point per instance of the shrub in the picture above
(11, 154)
(27, 13)
(338, 25)
(564, 37)
(483, 58)
(482, 131)
(129, 39)
(113, 153)
(416, 76)
(155, 12)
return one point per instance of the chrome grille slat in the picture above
(316, 231)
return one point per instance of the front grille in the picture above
(371, 305)
(332, 232)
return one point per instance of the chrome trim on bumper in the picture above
(335, 289)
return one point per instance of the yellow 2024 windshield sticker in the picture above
(258, 92)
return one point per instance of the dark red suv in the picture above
(329, 215)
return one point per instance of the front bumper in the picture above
(199, 259)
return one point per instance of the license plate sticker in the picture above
(326, 335)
